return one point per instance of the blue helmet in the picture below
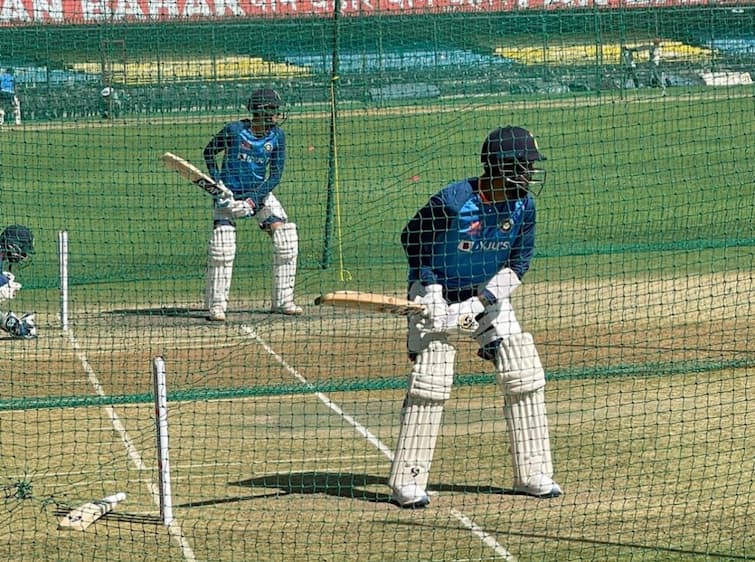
(266, 104)
(511, 152)
(16, 244)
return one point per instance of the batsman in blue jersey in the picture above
(468, 249)
(8, 96)
(254, 155)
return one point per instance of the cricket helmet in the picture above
(511, 152)
(266, 104)
(16, 244)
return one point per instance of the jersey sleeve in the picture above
(275, 170)
(418, 238)
(523, 248)
(217, 144)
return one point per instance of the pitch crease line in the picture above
(174, 528)
(486, 538)
(362, 430)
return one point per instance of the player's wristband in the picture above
(487, 298)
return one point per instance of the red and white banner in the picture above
(20, 12)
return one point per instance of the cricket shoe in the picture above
(539, 486)
(216, 314)
(410, 496)
(288, 310)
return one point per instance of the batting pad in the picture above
(527, 425)
(519, 366)
(420, 425)
(285, 252)
(222, 251)
(429, 387)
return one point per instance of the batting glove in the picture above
(8, 286)
(243, 209)
(224, 200)
(463, 315)
(436, 309)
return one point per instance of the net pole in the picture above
(161, 426)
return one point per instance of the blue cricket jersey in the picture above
(252, 167)
(7, 83)
(460, 241)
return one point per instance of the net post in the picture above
(63, 273)
(161, 426)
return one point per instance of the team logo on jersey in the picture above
(506, 225)
(268, 147)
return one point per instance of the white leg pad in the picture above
(527, 425)
(16, 110)
(2, 117)
(430, 385)
(285, 253)
(522, 380)
(518, 363)
(221, 254)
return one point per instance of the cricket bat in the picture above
(370, 302)
(86, 514)
(195, 175)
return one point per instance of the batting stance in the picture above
(16, 247)
(254, 156)
(468, 249)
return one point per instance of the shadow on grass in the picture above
(160, 311)
(342, 485)
(182, 312)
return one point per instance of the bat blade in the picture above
(82, 517)
(194, 175)
(370, 302)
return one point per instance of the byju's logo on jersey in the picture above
(483, 245)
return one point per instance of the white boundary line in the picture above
(174, 529)
(486, 538)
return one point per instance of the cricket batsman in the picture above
(253, 161)
(8, 96)
(467, 250)
(16, 248)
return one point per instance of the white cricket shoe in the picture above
(216, 314)
(410, 496)
(288, 310)
(539, 486)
